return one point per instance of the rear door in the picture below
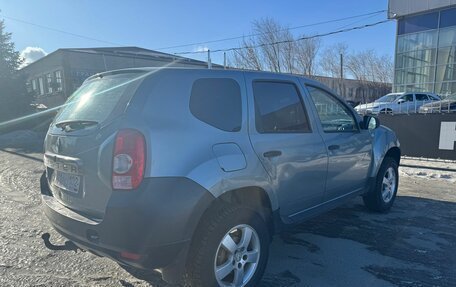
(79, 143)
(421, 99)
(286, 141)
(349, 147)
(405, 104)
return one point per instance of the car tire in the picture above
(208, 251)
(386, 111)
(383, 193)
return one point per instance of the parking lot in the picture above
(413, 245)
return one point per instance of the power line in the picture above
(358, 21)
(288, 41)
(62, 31)
(285, 29)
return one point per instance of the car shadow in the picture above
(412, 245)
(22, 142)
(24, 154)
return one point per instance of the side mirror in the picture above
(401, 101)
(370, 122)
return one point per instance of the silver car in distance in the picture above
(397, 103)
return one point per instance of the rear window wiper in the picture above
(72, 125)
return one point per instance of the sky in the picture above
(158, 24)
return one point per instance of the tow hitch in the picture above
(68, 245)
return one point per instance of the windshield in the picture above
(96, 99)
(388, 98)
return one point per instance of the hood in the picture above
(369, 106)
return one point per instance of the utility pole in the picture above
(341, 66)
(209, 63)
(278, 57)
(224, 60)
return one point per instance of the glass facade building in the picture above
(426, 53)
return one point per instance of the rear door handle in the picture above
(333, 147)
(272, 153)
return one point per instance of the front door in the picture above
(349, 147)
(288, 145)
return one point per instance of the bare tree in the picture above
(330, 60)
(275, 49)
(385, 69)
(270, 33)
(306, 55)
(371, 70)
(248, 57)
(368, 66)
(288, 55)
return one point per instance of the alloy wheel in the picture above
(237, 256)
(389, 185)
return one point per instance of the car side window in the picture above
(407, 98)
(279, 108)
(218, 103)
(422, 97)
(334, 115)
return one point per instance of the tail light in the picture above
(129, 159)
(130, 256)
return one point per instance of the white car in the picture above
(398, 103)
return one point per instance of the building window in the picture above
(49, 83)
(426, 53)
(418, 23)
(418, 87)
(447, 37)
(416, 58)
(41, 85)
(446, 73)
(448, 18)
(34, 85)
(28, 86)
(445, 89)
(446, 56)
(58, 80)
(417, 41)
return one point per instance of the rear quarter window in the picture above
(217, 102)
(100, 98)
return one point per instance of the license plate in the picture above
(66, 181)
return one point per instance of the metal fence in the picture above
(431, 135)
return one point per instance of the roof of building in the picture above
(135, 52)
(347, 80)
(400, 8)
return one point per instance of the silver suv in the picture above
(398, 103)
(192, 171)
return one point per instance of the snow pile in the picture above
(429, 169)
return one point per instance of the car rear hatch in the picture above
(80, 140)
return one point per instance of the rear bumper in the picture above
(156, 221)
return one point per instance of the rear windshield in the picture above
(97, 99)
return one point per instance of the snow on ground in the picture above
(429, 169)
